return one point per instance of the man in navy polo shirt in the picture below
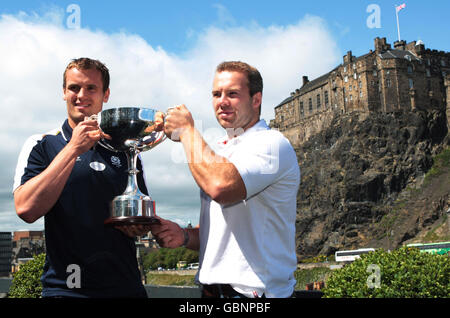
(64, 177)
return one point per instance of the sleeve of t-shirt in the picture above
(262, 160)
(32, 161)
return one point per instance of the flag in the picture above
(402, 6)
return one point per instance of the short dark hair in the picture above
(85, 63)
(255, 81)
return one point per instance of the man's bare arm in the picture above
(37, 196)
(214, 174)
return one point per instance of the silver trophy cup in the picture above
(132, 130)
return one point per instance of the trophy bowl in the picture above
(131, 130)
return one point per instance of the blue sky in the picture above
(174, 24)
(163, 53)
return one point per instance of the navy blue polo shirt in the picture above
(74, 229)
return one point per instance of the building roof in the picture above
(399, 54)
(309, 86)
(317, 82)
(287, 100)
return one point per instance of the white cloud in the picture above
(35, 50)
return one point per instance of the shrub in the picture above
(306, 276)
(171, 280)
(168, 258)
(405, 272)
(27, 281)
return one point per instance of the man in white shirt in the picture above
(246, 237)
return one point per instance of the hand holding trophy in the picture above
(131, 130)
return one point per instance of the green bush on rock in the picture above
(405, 272)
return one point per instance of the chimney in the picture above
(381, 45)
(305, 80)
(348, 58)
(400, 45)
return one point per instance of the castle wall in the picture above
(303, 131)
(447, 90)
(383, 80)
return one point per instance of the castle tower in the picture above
(400, 45)
(447, 97)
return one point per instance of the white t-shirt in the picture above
(251, 244)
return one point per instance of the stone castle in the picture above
(404, 78)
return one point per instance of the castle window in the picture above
(346, 78)
(354, 76)
(310, 105)
(318, 101)
(410, 70)
(428, 72)
(350, 88)
(361, 94)
(388, 82)
(325, 94)
(360, 84)
(375, 73)
(354, 66)
(411, 83)
(351, 97)
(428, 62)
(442, 62)
(345, 69)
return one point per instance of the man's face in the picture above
(233, 105)
(83, 94)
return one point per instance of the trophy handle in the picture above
(151, 141)
(156, 137)
(102, 143)
(106, 145)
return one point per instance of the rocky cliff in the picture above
(363, 181)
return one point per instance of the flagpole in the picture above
(398, 25)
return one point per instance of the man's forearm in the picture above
(214, 174)
(38, 195)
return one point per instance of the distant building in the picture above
(33, 235)
(5, 253)
(386, 79)
(26, 245)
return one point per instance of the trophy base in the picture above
(134, 209)
(131, 220)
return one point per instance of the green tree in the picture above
(168, 258)
(405, 272)
(27, 281)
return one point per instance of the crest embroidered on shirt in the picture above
(116, 161)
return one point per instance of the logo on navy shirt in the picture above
(116, 161)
